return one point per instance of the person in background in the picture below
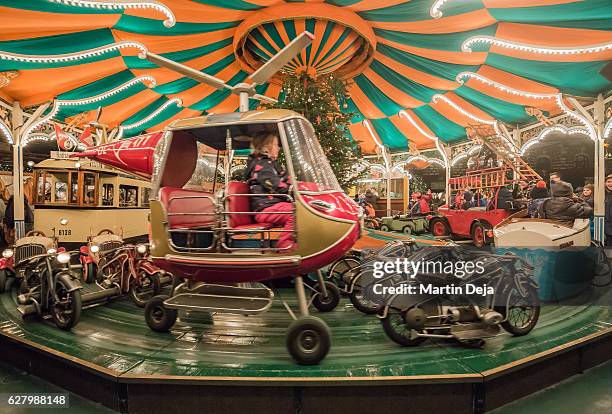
(413, 205)
(554, 177)
(267, 179)
(371, 196)
(587, 195)
(608, 211)
(562, 206)
(468, 198)
(522, 190)
(504, 198)
(4, 197)
(9, 219)
(538, 194)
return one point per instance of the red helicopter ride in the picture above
(202, 228)
(503, 168)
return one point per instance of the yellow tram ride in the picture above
(75, 200)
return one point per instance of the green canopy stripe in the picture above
(134, 24)
(410, 87)
(390, 135)
(385, 104)
(134, 62)
(445, 129)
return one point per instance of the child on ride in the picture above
(265, 176)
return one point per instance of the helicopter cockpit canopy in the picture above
(202, 154)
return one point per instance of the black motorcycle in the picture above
(50, 286)
(512, 301)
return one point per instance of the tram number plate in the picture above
(64, 232)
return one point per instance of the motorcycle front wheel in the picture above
(520, 312)
(65, 312)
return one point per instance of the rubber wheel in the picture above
(407, 230)
(158, 317)
(3, 279)
(148, 287)
(341, 271)
(89, 272)
(523, 313)
(395, 327)
(438, 227)
(308, 340)
(329, 303)
(360, 303)
(67, 312)
(478, 235)
(384, 227)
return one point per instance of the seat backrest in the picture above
(181, 203)
(238, 203)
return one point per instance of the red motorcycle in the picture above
(128, 270)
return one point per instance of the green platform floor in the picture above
(115, 337)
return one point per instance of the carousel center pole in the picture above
(600, 171)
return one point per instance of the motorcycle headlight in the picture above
(94, 248)
(141, 248)
(51, 251)
(7, 254)
(63, 258)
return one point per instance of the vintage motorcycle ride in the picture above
(126, 270)
(511, 303)
(33, 243)
(50, 286)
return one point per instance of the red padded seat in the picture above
(197, 203)
(240, 203)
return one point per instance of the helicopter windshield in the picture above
(311, 167)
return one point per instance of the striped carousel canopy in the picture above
(417, 69)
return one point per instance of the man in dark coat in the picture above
(562, 206)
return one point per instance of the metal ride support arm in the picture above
(597, 121)
(19, 130)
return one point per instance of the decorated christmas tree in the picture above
(321, 101)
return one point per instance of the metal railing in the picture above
(264, 234)
(190, 232)
(221, 234)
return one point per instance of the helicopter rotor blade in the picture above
(263, 98)
(278, 61)
(187, 71)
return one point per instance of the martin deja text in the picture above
(429, 289)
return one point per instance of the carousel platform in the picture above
(231, 363)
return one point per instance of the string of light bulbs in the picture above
(379, 144)
(174, 101)
(74, 56)
(123, 4)
(436, 9)
(57, 104)
(435, 139)
(494, 124)
(549, 130)
(558, 97)
(466, 46)
(6, 131)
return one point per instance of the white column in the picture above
(18, 171)
(599, 173)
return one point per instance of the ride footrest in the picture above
(476, 330)
(223, 298)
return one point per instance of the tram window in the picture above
(128, 196)
(74, 188)
(41, 189)
(89, 189)
(108, 194)
(146, 193)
